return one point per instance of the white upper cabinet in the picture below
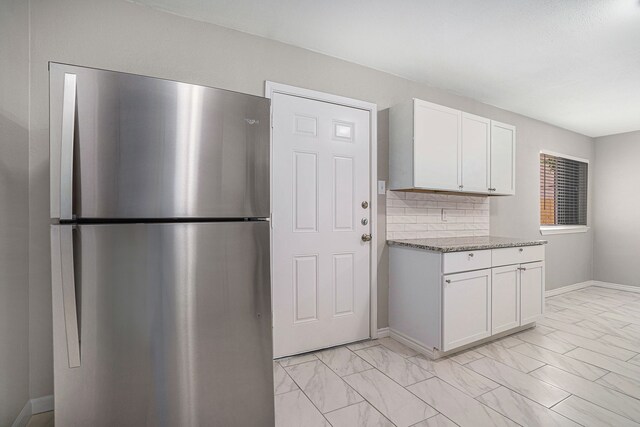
(503, 159)
(476, 136)
(438, 148)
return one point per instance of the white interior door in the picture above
(320, 210)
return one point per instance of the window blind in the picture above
(563, 191)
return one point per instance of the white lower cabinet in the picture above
(531, 292)
(466, 308)
(439, 302)
(505, 298)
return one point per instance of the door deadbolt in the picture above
(365, 205)
(364, 221)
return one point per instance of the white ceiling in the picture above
(572, 63)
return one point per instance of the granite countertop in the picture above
(460, 244)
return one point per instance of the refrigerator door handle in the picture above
(69, 295)
(66, 148)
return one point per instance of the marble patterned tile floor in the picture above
(579, 367)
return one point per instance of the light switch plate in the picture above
(382, 187)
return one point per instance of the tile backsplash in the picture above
(419, 215)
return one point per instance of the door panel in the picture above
(505, 298)
(476, 132)
(436, 146)
(503, 158)
(531, 292)
(320, 264)
(152, 148)
(175, 325)
(466, 308)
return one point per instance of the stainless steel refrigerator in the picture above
(159, 252)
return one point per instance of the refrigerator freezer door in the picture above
(174, 323)
(143, 147)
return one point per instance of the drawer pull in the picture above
(521, 249)
(471, 255)
(522, 269)
(448, 280)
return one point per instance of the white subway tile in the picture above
(416, 196)
(395, 227)
(402, 219)
(430, 219)
(426, 235)
(396, 194)
(416, 211)
(405, 235)
(426, 204)
(395, 211)
(416, 227)
(447, 205)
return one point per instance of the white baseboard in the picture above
(403, 339)
(23, 417)
(628, 288)
(568, 288)
(32, 407)
(42, 404)
(383, 332)
(576, 286)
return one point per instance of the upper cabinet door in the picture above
(476, 133)
(503, 159)
(436, 146)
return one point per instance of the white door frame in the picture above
(272, 88)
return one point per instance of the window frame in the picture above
(563, 229)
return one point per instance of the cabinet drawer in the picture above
(519, 255)
(465, 261)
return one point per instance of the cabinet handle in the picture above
(521, 249)
(66, 146)
(448, 280)
(471, 255)
(522, 269)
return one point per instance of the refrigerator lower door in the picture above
(162, 324)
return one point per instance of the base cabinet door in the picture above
(505, 298)
(531, 292)
(466, 308)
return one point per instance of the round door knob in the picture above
(365, 205)
(366, 237)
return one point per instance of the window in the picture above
(563, 192)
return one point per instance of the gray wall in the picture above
(126, 37)
(617, 209)
(569, 257)
(14, 207)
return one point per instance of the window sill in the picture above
(562, 229)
